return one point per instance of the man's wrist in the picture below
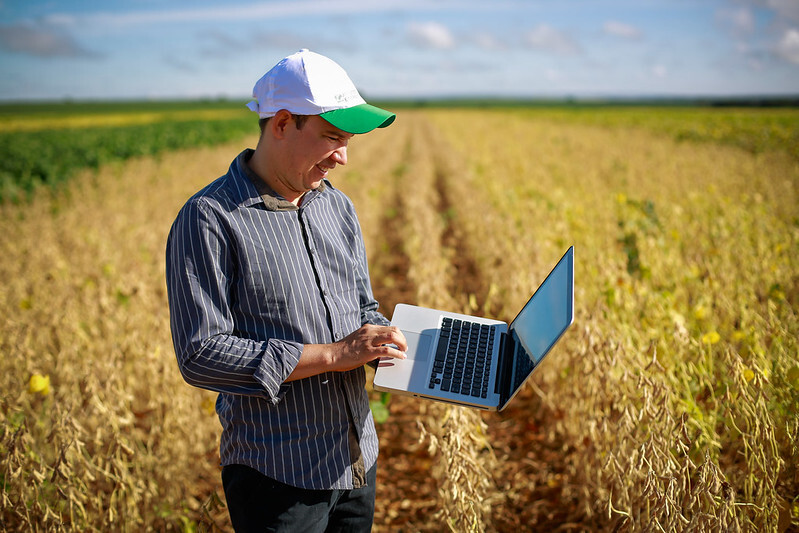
(316, 359)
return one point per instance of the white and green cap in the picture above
(307, 83)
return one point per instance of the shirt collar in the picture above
(259, 191)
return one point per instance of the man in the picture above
(271, 306)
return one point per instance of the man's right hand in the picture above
(367, 343)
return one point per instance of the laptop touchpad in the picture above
(418, 345)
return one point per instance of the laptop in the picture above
(479, 362)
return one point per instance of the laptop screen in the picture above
(543, 319)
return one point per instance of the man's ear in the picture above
(279, 122)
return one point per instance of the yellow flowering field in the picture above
(670, 405)
(75, 116)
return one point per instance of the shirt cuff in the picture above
(277, 367)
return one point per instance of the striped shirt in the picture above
(250, 279)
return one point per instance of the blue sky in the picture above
(402, 48)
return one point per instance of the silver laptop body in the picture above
(474, 361)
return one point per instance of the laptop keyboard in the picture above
(463, 358)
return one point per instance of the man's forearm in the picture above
(366, 344)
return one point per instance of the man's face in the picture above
(311, 152)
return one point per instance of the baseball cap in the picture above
(307, 83)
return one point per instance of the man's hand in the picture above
(366, 344)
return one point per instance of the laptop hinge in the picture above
(504, 368)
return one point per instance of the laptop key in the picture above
(441, 351)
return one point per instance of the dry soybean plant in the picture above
(99, 432)
(678, 385)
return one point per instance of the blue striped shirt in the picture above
(250, 280)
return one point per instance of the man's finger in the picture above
(394, 351)
(396, 337)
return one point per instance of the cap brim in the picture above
(360, 118)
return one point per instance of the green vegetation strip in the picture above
(50, 156)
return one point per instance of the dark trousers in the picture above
(258, 503)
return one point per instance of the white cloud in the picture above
(620, 29)
(659, 71)
(42, 41)
(741, 21)
(274, 10)
(788, 47)
(544, 37)
(431, 35)
(785, 8)
(553, 75)
(227, 12)
(59, 19)
(486, 41)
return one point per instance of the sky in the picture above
(160, 49)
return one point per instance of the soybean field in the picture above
(670, 405)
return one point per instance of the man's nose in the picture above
(340, 155)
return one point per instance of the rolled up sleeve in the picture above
(210, 354)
